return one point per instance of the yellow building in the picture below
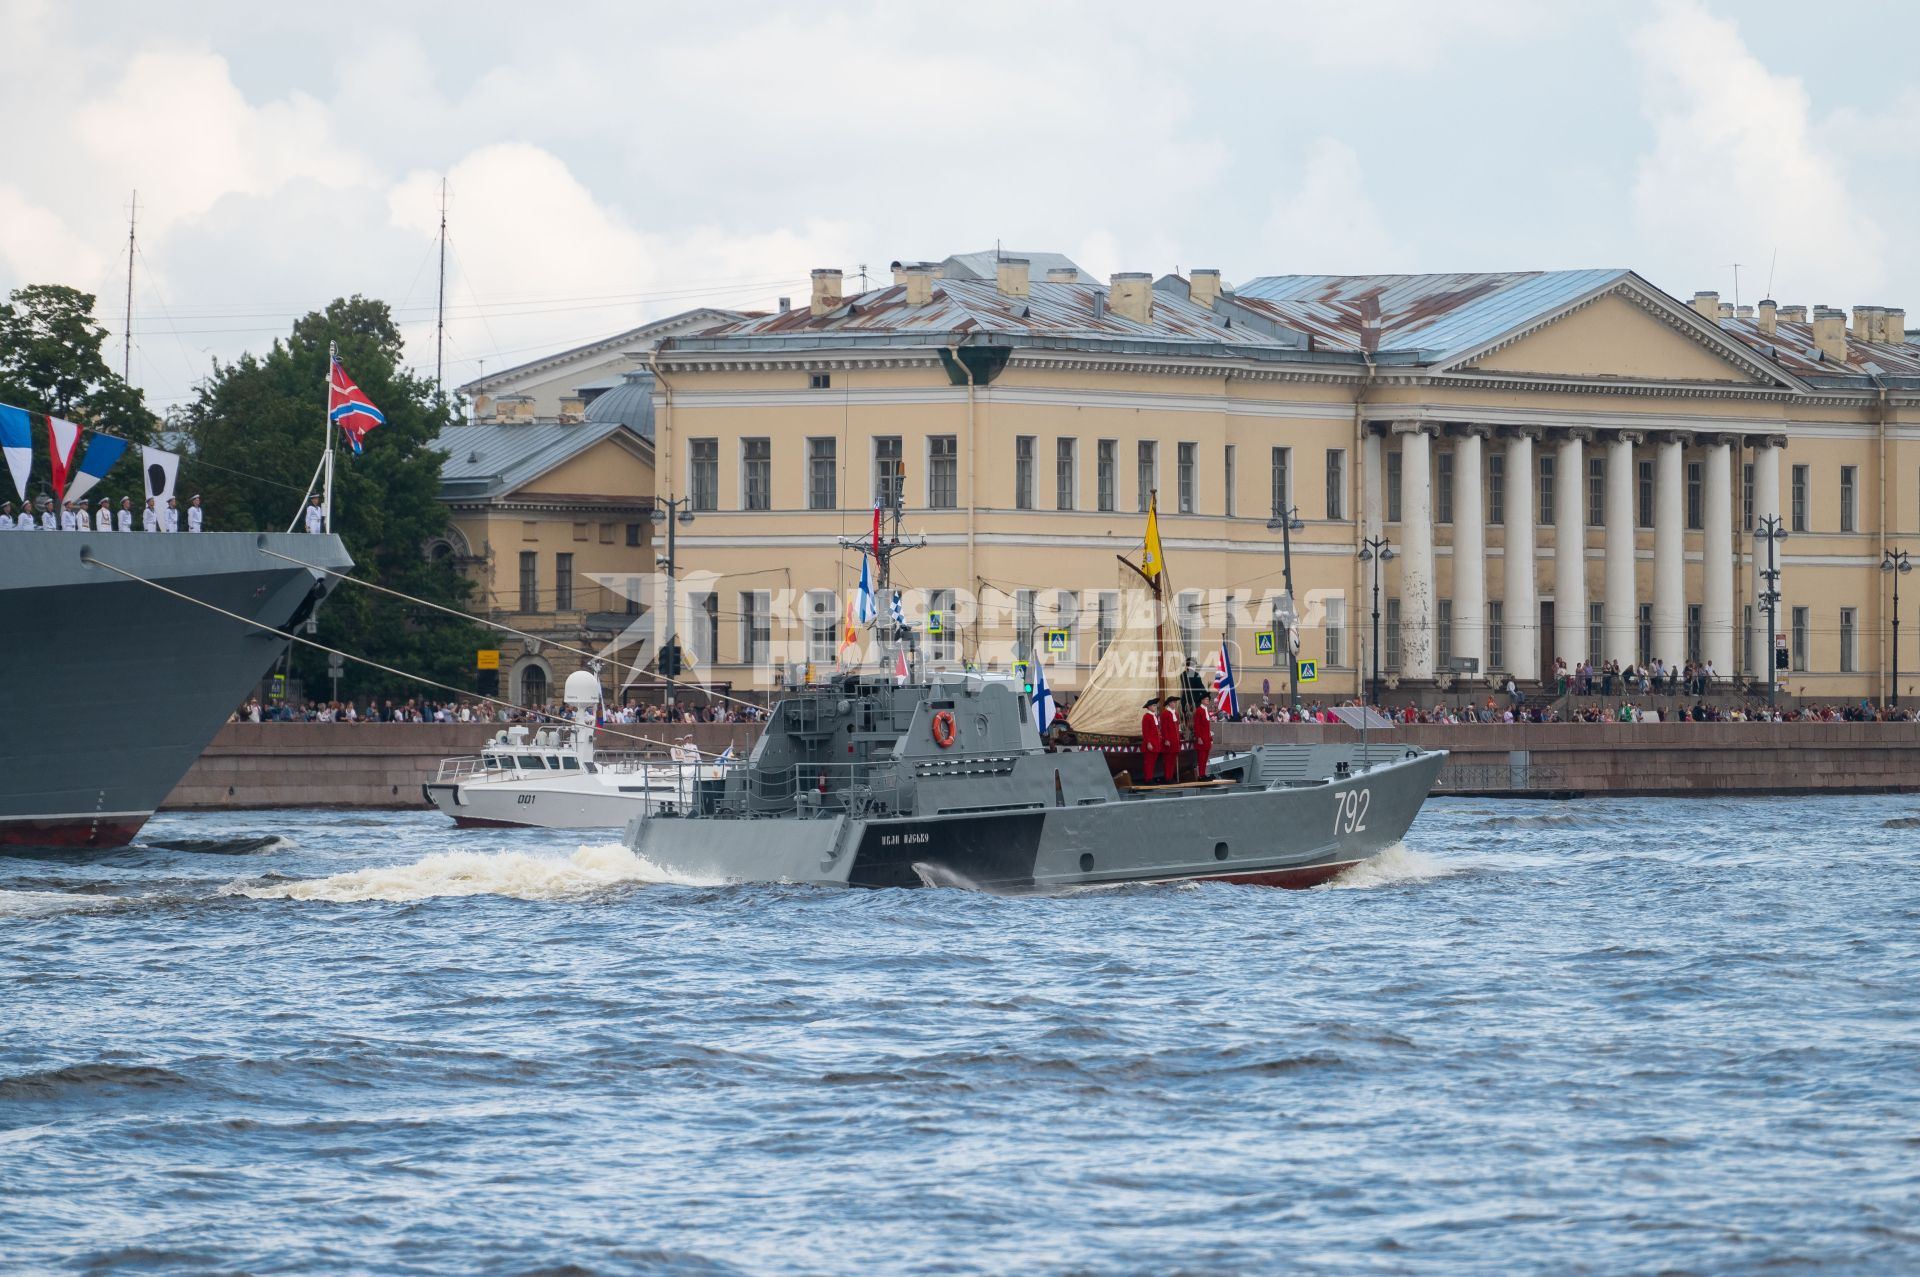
(1563, 463)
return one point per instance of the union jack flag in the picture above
(1226, 700)
(349, 408)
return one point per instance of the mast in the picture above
(883, 548)
(126, 332)
(440, 321)
(326, 457)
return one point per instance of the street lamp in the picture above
(1772, 533)
(1897, 563)
(669, 511)
(1288, 524)
(1376, 551)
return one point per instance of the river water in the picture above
(1601, 1036)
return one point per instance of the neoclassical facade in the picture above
(1563, 463)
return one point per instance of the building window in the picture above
(1646, 493)
(1696, 494)
(580, 531)
(820, 381)
(1849, 485)
(1282, 639)
(1336, 632)
(1848, 626)
(1393, 486)
(1186, 464)
(1393, 635)
(756, 474)
(1063, 474)
(529, 581)
(633, 534)
(943, 472)
(823, 474)
(706, 635)
(1108, 478)
(1023, 623)
(1596, 633)
(1148, 453)
(1228, 506)
(1693, 631)
(606, 534)
(703, 473)
(1496, 638)
(1187, 616)
(1336, 483)
(1802, 623)
(1023, 472)
(756, 626)
(633, 592)
(1282, 481)
(530, 530)
(1443, 488)
(563, 583)
(1107, 622)
(1746, 634)
(940, 602)
(1596, 492)
(889, 472)
(1066, 616)
(1646, 634)
(1496, 489)
(822, 626)
(1801, 482)
(1546, 489)
(1443, 634)
(1746, 497)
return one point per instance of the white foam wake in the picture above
(472, 873)
(1397, 864)
(46, 904)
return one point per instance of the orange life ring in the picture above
(943, 728)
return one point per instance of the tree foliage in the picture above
(257, 429)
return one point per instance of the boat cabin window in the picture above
(553, 762)
(531, 762)
(490, 761)
(570, 763)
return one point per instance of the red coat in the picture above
(1150, 732)
(1169, 730)
(1202, 727)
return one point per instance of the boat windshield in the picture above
(570, 763)
(491, 762)
(531, 762)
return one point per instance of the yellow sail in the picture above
(1144, 660)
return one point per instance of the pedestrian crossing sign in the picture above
(1056, 640)
(1309, 671)
(936, 623)
(1263, 643)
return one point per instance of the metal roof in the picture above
(488, 459)
(618, 341)
(1791, 346)
(630, 404)
(985, 264)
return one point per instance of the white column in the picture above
(1374, 506)
(1620, 606)
(1416, 550)
(1520, 612)
(1570, 549)
(1716, 594)
(1469, 549)
(1669, 553)
(1766, 502)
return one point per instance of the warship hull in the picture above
(118, 686)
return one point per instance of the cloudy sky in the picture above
(611, 162)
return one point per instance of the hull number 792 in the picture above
(1350, 811)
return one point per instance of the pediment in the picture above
(1620, 336)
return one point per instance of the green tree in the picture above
(52, 361)
(256, 430)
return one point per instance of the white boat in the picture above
(554, 779)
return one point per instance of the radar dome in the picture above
(583, 688)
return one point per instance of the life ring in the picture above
(943, 728)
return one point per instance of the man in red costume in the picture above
(1150, 740)
(1202, 737)
(1170, 739)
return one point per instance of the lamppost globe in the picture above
(1366, 556)
(659, 516)
(1387, 555)
(686, 516)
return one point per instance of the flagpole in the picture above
(326, 460)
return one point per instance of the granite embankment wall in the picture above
(384, 764)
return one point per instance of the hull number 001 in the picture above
(1350, 811)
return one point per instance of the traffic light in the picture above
(670, 660)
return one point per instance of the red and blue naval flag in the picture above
(349, 408)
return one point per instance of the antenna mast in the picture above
(126, 333)
(440, 311)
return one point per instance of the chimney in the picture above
(919, 281)
(826, 291)
(1793, 314)
(1866, 323)
(1011, 276)
(1726, 312)
(1062, 275)
(1767, 316)
(1130, 294)
(786, 304)
(1894, 318)
(1707, 305)
(1830, 333)
(1745, 312)
(1205, 289)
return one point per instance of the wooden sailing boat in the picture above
(1144, 660)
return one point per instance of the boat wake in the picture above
(47, 904)
(1396, 865)
(225, 846)
(471, 873)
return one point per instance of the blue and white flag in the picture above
(16, 436)
(1043, 714)
(865, 609)
(899, 614)
(102, 452)
(1226, 699)
(726, 755)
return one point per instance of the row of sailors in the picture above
(73, 516)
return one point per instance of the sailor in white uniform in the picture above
(66, 516)
(6, 516)
(150, 518)
(49, 521)
(103, 517)
(195, 516)
(170, 517)
(316, 517)
(126, 514)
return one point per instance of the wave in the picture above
(1901, 822)
(225, 846)
(1396, 865)
(47, 904)
(471, 873)
(52, 1083)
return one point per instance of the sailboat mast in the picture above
(440, 310)
(126, 332)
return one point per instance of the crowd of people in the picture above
(81, 515)
(469, 711)
(1694, 678)
(1544, 711)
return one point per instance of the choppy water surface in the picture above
(1602, 1036)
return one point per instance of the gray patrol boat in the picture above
(867, 782)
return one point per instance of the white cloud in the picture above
(1327, 223)
(1736, 170)
(38, 247)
